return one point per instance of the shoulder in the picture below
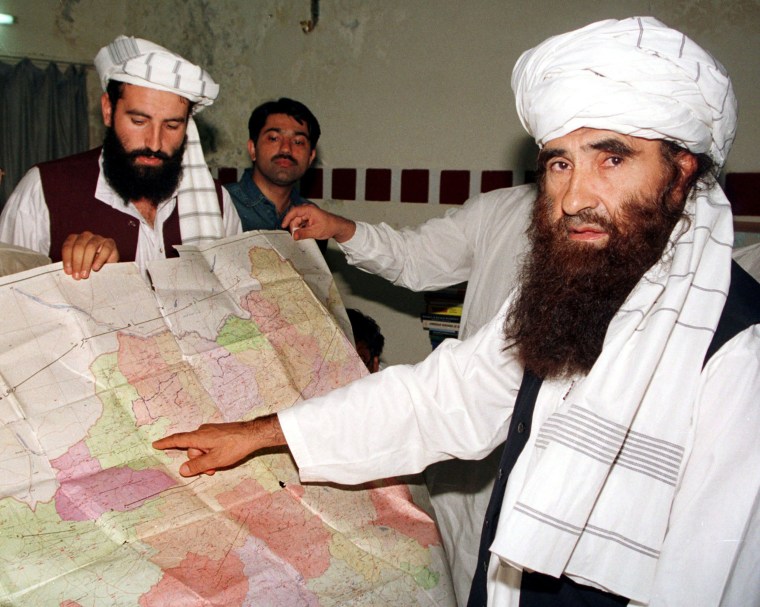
(89, 157)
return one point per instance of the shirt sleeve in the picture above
(231, 219)
(709, 554)
(435, 254)
(456, 403)
(25, 220)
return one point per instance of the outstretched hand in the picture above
(86, 252)
(214, 446)
(309, 221)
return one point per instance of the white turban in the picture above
(636, 77)
(141, 62)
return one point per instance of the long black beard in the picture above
(570, 291)
(136, 182)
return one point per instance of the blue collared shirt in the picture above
(256, 211)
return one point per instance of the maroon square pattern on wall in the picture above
(311, 184)
(377, 185)
(455, 187)
(344, 184)
(743, 190)
(414, 185)
(226, 175)
(493, 180)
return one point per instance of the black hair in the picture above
(366, 329)
(295, 109)
(115, 89)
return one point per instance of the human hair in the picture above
(706, 169)
(115, 89)
(295, 109)
(366, 329)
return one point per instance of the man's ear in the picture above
(313, 155)
(106, 109)
(687, 165)
(252, 150)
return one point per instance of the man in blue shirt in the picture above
(282, 143)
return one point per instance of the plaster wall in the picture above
(394, 84)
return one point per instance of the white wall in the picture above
(394, 83)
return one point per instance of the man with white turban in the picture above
(147, 189)
(624, 373)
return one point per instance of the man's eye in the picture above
(615, 160)
(299, 141)
(559, 165)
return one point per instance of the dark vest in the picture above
(69, 187)
(741, 310)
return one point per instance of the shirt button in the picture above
(485, 566)
(501, 472)
(520, 428)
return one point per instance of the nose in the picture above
(153, 138)
(579, 194)
(285, 147)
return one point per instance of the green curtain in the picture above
(43, 116)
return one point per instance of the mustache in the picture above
(145, 152)
(587, 217)
(284, 157)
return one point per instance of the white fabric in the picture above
(200, 219)
(143, 63)
(708, 556)
(25, 220)
(634, 76)
(16, 259)
(481, 242)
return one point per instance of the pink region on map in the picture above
(199, 580)
(86, 490)
(68, 603)
(396, 510)
(234, 387)
(279, 519)
(161, 390)
(302, 349)
(273, 582)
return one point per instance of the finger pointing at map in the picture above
(214, 446)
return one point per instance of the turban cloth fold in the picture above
(635, 76)
(140, 62)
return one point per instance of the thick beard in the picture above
(135, 182)
(570, 290)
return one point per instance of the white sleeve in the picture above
(231, 219)
(435, 254)
(25, 220)
(709, 556)
(456, 403)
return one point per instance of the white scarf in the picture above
(608, 462)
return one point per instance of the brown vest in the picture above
(69, 187)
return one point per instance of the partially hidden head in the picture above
(369, 340)
(629, 116)
(150, 95)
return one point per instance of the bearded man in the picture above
(623, 375)
(146, 190)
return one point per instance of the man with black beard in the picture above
(146, 190)
(623, 375)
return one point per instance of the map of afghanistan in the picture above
(92, 371)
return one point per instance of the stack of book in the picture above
(443, 311)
